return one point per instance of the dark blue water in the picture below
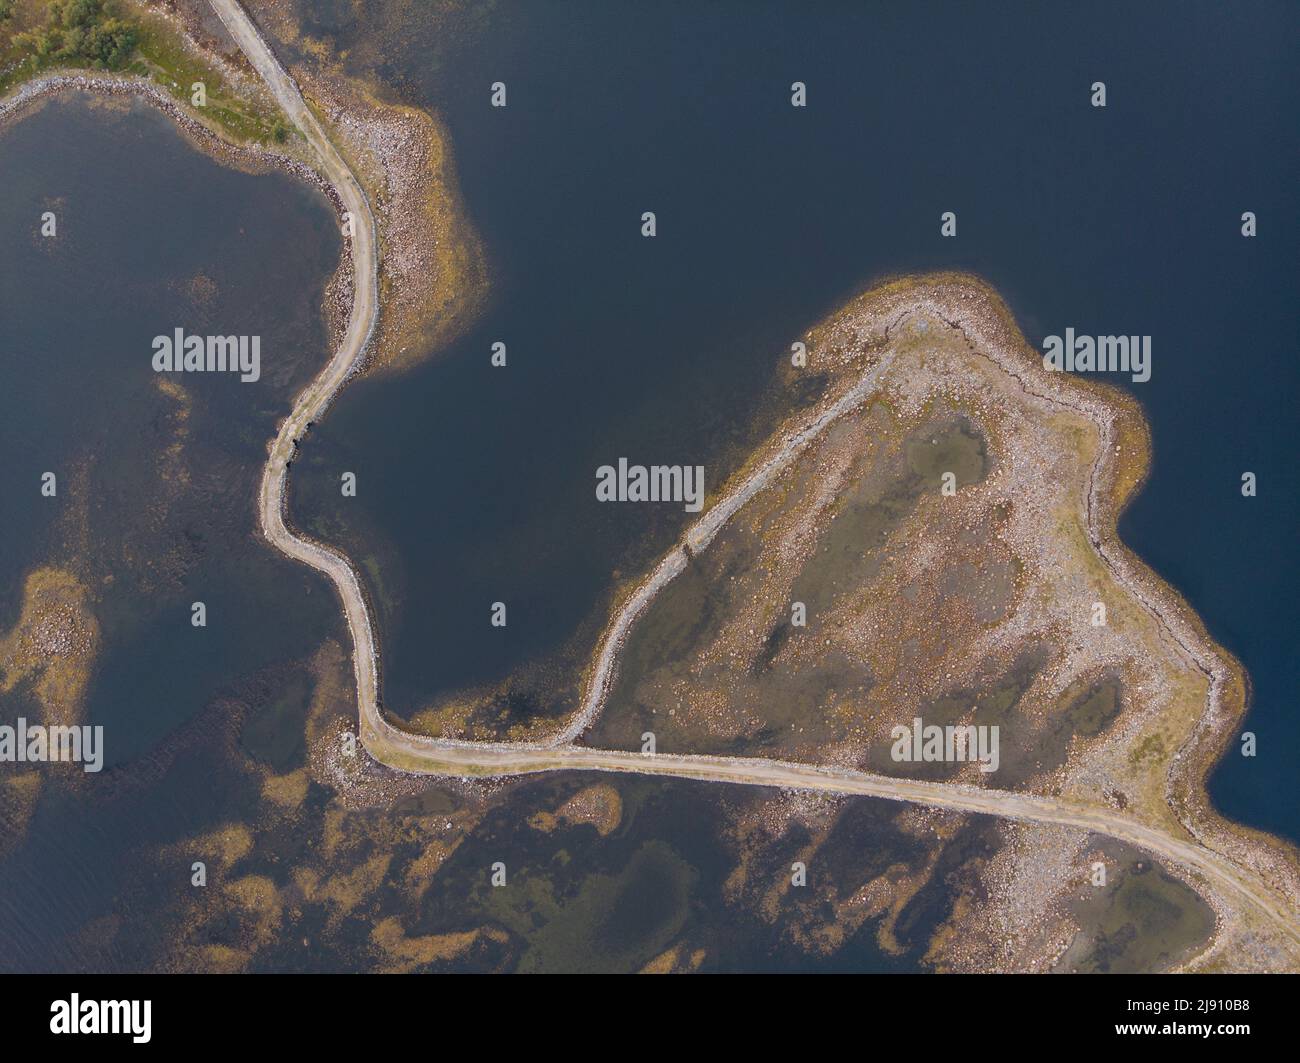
(152, 513)
(477, 485)
(1117, 220)
(153, 236)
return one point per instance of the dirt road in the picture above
(404, 751)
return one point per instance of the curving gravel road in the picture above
(421, 754)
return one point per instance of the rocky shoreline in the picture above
(433, 270)
(971, 308)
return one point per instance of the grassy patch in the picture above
(45, 36)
